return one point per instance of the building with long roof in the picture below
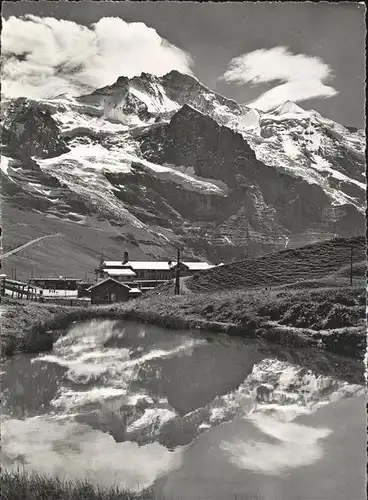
(156, 271)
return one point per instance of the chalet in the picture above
(110, 290)
(154, 271)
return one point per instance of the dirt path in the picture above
(36, 240)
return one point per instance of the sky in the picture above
(260, 54)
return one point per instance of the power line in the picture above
(177, 276)
(351, 265)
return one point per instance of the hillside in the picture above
(311, 262)
(150, 164)
(300, 298)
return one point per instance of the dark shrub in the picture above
(249, 324)
(207, 310)
(344, 298)
(8, 345)
(324, 307)
(362, 299)
(300, 315)
(338, 317)
(273, 311)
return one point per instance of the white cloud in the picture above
(292, 91)
(43, 57)
(302, 75)
(76, 451)
(293, 446)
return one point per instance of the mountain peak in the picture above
(175, 76)
(288, 107)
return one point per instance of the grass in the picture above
(22, 485)
(328, 261)
(330, 317)
(79, 249)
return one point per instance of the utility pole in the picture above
(246, 224)
(351, 265)
(177, 276)
(247, 248)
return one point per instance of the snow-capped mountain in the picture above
(155, 163)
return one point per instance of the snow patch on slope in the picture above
(4, 164)
(323, 165)
(158, 103)
(290, 147)
(248, 121)
(81, 170)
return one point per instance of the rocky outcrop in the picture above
(29, 130)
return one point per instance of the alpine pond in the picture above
(137, 405)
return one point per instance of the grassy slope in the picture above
(327, 317)
(77, 252)
(319, 312)
(311, 262)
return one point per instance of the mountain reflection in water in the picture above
(139, 405)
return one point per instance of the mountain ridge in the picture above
(185, 167)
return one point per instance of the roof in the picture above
(113, 263)
(156, 265)
(135, 290)
(198, 266)
(140, 265)
(109, 279)
(58, 278)
(120, 272)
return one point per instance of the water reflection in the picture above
(28, 390)
(121, 389)
(281, 447)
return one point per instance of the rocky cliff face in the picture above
(28, 129)
(265, 200)
(174, 163)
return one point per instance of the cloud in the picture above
(293, 446)
(44, 57)
(292, 91)
(76, 451)
(302, 76)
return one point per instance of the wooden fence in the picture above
(20, 290)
